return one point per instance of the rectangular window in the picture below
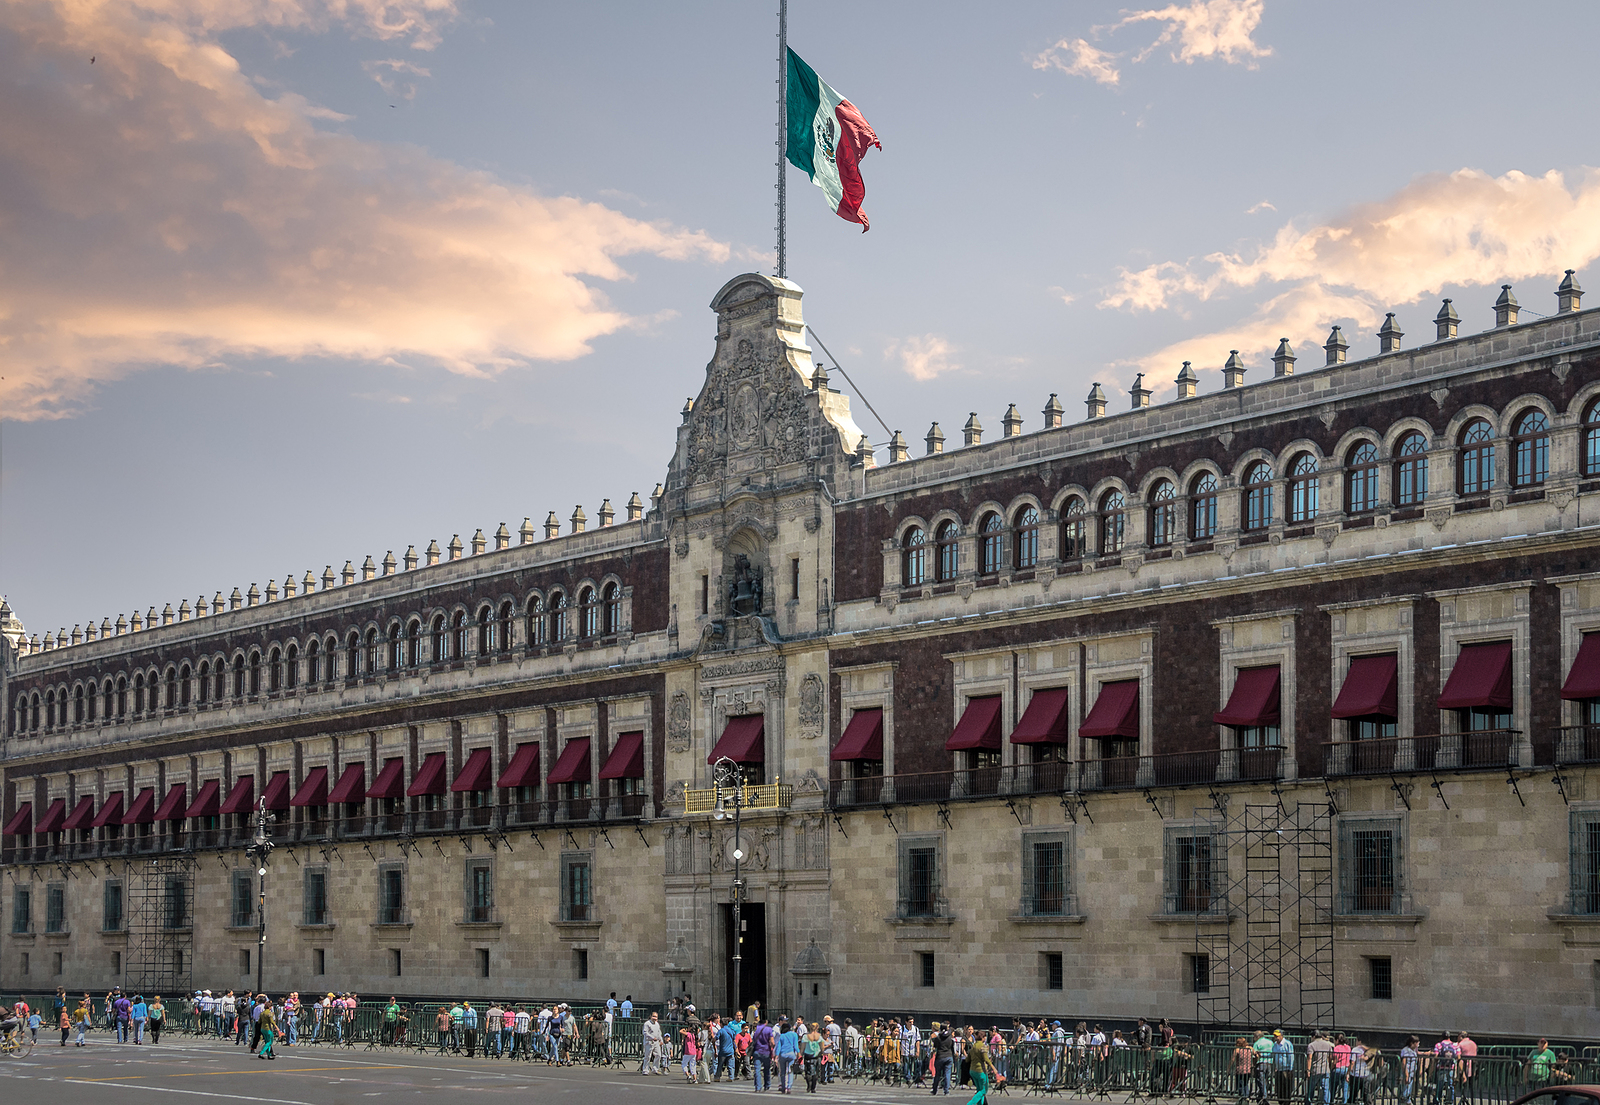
(175, 905)
(391, 896)
(794, 578)
(1191, 871)
(1369, 865)
(319, 961)
(244, 962)
(55, 966)
(116, 963)
(1380, 975)
(315, 896)
(1199, 974)
(919, 877)
(1584, 861)
(394, 962)
(926, 968)
(243, 913)
(55, 909)
(577, 892)
(480, 892)
(22, 910)
(580, 964)
(1054, 975)
(24, 962)
(481, 961)
(1046, 889)
(111, 916)
(705, 601)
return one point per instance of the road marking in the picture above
(193, 1093)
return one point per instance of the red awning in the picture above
(1045, 719)
(352, 784)
(573, 764)
(1481, 677)
(430, 777)
(979, 726)
(475, 773)
(1115, 712)
(172, 805)
(523, 770)
(277, 794)
(21, 823)
(205, 803)
(143, 810)
(1371, 688)
(391, 781)
(1254, 701)
(242, 798)
(1583, 681)
(110, 813)
(627, 758)
(82, 815)
(863, 737)
(313, 789)
(53, 817)
(744, 741)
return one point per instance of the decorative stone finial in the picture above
(635, 507)
(135, 624)
(1053, 412)
(935, 439)
(552, 527)
(122, 626)
(91, 633)
(479, 543)
(688, 409)
(167, 614)
(1336, 346)
(863, 458)
(328, 578)
(898, 450)
(216, 603)
(431, 553)
(235, 600)
(1188, 381)
(252, 597)
(1569, 297)
(1096, 403)
(606, 513)
(454, 547)
(1011, 422)
(1446, 322)
(347, 575)
(77, 635)
(1139, 393)
(389, 563)
(272, 591)
(1233, 370)
(49, 641)
(1389, 335)
(526, 534)
(184, 612)
(819, 377)
(502, 538)
(410, 558)
(288, 586)
(149, 619)
(655, 496)
(1505, 308)
(579, 520)
(369, 568)
(1283, 360)
(972, 432)
(200, 606)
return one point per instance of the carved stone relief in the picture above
(812, 706)
(678, 723)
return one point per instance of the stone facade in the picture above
(780, 586)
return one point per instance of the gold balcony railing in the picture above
(768, 796)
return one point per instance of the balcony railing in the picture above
(1485, 750)
(1577, 744)
(767, 796)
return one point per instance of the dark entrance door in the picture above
(753, 969)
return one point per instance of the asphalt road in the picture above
(188, 1072)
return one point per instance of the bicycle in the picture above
(16, 1044)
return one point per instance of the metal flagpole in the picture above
(783, 130)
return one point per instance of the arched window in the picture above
(458, 635)
(330, 651)
(396, 657)
(1361, 479)
(369, 660)
(1113, 523)
(1411, 470)
(1591, 440)
(538, 623)
(184, 675)
(588, 614)
(172, 689)
(274, 671)
(1303, 489)
(558, 617)
(1476, 474)
(486, 630)
(947, 547)
(1025, 538)
(138, 699)
(436, 640)
(313, 661)
(1203, 507)
(611, 609)
(504, 637)
(88, 702)
(255, 673)
(219, 672)
(414, 643)
(122, 701)
(1530, 449)
(205, 682)
(991, 544)
(77, 705)
(109, 702)
(35, 720)
(914, 557)
(352, 655)
(1163, 513)
(291, 666)
(1074, 530)
(1258, 496)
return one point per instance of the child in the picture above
(34, 1021)
(65, 1025)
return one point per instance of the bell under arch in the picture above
(747, 568)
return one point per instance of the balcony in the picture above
(1486, 750)
(767, 796)
(1577, 744)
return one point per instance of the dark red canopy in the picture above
(1254, 701)
(242, 798)
(313, 789)
(744, 741)
(171, 808)
(572, 766)
(1481, 677)
(475, 773)
(862, 738)
(1045, 719)
(205, 803)
(627, 758)
(53, 817)
(523, 770)
(979, 726)
(429, 778)
(352, 784)
(391, 781)
(1115, 713)
(1583, 681)
(1371, 688)
(21, 823)
(110, 812)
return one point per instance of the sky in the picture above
(285, 283)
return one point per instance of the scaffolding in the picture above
(1267, 938)
(160, 925)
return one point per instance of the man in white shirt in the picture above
(653, 1041)
(225, 1011)
(519, 1025)
(836, 1037)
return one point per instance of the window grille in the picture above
(1530, 450)
(175, 904)
(1370, 866)
(1591, 441)
(914, 568)
(948, 548)
(1074, 541)
(392, 896)
(1027, 537)
(919, 883)
(1584, 861)
(111, 907)
(577, 893)
(1196, 868)
(991, 542)
(1476, 459)
(1046, 875)
(55, 909)
(480, 892)
(22, 910)
(1361, 479)
(316, 896)
(1113, 523)
(1380, 975)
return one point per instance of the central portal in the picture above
(753, 968)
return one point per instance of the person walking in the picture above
(691, 1052)
(762, 1047)
(81, 1017)
(651, 1034)
(811, 1057)
(122, 1011)
(980, 1067)
(944, 1053)
(469, 1025)
(1282, 1065)
(139, 1015)
(1410, 1064)
(1244, 1065)
(1446, 1057)
(788, 1051)
(158, 1019)
(1319, 1069)
(267, 1021)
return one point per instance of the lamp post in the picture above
(258, 852)
(729, 783)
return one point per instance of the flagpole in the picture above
(783, 130)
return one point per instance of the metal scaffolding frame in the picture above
(160, 903)
(1268, 937)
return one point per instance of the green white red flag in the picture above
(827, 138)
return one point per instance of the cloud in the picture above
(389, 72)
(1462, 228)
(158, 208)
(924, 357)
(1077, 58)
(1262, 206)
(1206, 29)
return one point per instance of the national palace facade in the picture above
(1279, 699)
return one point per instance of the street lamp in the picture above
(258, 852)
(728, 780)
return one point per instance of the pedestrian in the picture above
(1410, 1065)
(1446, 1057)
(1540, 1062)
(1319, 1069)
(34, 1023)
(469, 1024)
(122, 1013)
(139, 1015)
(943, 1044)
(691, 1052)
(81, 1017)
(981, 1068)
(1282, 1065)
(441, 1028)
(1244, 1065)
(788, 1051)
(651, 1034)
(811, 1056)
(267, 1022)
(66, 1027)
(1468, 1049)
(1359, 1074)
(158, 1019)
(763, 1044)
(741, 1053)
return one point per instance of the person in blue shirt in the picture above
(627, 1006)
(788, 1052)
(469, 1023)
(1283, 1066)
(725, 1050)
(139, 1013)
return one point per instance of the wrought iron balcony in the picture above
(767, 796)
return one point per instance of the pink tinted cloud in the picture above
(157, 208)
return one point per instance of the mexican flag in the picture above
(828, 138)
